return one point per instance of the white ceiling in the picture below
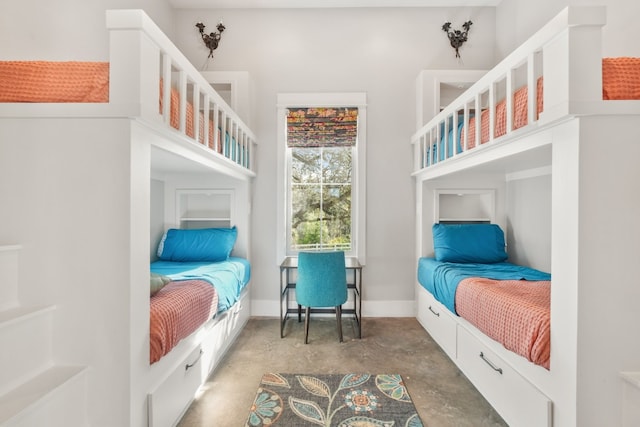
(244, 4)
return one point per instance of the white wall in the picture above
(529, 220)
(517, 20)
(65, 30)
(377, 51)
(157, 216)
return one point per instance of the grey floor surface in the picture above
(441, 393)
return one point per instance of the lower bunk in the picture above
(177, 376)
(501, 376)
(199, 305)
(491, 317)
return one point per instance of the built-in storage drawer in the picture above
(171, 398)
(221, 332)
(518, 401)
(243, 312)
(438, 321)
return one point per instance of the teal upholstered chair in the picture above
(322, 282)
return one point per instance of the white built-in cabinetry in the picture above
(500, 375)
(480, 358)
(518, 401)
(187, 366)
(191, 362)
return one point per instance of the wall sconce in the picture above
(457, 37)
(211, 40)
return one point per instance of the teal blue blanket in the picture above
(441, 279)
(228, 277)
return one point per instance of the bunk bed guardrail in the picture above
(139, 48)
(566, 51)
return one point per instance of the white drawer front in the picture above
(244, 311)
(171, 398)
(438, 321)
(519, 402)
(219, 335)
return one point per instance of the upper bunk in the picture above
(197, 131)
(556, 75)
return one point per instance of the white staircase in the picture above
(34, 390)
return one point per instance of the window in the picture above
(321, 160)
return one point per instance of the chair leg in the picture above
(307, 312)
(299, 313)
(339, 320)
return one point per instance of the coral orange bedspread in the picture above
(177, 310)
(48, 81)
(515, 313)
(520, 98)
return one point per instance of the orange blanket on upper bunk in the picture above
(174, 119)
(72, 81)
(515, 313)
(47, 81)
(520, 103)
(176, 311)
(620, 80)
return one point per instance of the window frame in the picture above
(358, 189)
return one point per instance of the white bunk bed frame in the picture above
(86, 165)
(588, 145)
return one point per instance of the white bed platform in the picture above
(178, 375)
(589, 148)
(75, 181)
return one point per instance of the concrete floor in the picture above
(441, 393)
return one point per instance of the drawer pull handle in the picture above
(490, 363)
(191, 365)
(434, 312)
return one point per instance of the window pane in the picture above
(336, 206)
(337, 165)
(305, 165)
(305, 216)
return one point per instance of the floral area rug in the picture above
(351, 400)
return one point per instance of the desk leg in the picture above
(359, 287)
(284, 298)
(281, 311)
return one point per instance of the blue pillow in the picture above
(472, 243)
(205, 244)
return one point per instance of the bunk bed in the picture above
(470, 276)
(108, 122)
(198, 280)
(545, 109)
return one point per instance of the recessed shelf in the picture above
(204, 208)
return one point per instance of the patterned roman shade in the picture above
(322, 127)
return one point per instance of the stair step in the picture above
(25, 337)
(35, 392)
(13, 315)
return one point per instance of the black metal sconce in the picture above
(211, 40)
(457, 37)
